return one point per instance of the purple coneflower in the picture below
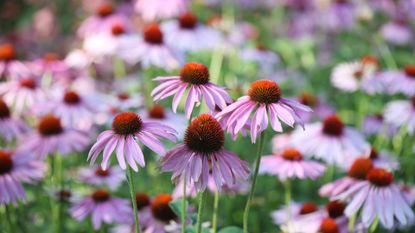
(265, 97)
(8, 63)
(111, 177)
(127, 127)
(151, 10)
(383, 159)
(321, 109)
(331, 141)
(195, 76)
(51, 64)
(378, 196)
(22, 93)
(290, 164)
(151, 50)
(357, 172)
(187, 34)
(401, 81)
(375, 124)
(51, 138)
(10, 127)
(397, 32)
(401, 113)
(16, 168)
(103, 208)
(201, 151)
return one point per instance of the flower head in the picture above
(202, 153)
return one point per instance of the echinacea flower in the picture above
(111, 177)
(101, 22)
(321, 109)
(401, 113)
(123, 101)
(50, 64)
(290, 165)
(189, 35)
(162, 214)
(51, 137)
(10, 127)
(264, 97)
(378, 196)
(201, 151)
(331, 141)
(75, 110)
(15, 169)
(127, 127)
(103, 208)
(400, 81)
(167, 117)
(194, 76)
(297, 211)
(397, 32)
(151, 10)
(339, 15)
(383, 159)
(357, 172)
(150, 50)
(375, 124)
(8, 63)
(22, 93)
(356, 75)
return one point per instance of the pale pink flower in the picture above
(152, 10)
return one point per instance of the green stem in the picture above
(184, 205)
(202, 197)
(254, 179)
(287, 185)
(119, 68)
(215, 212)
(9, 219)
(130, 178)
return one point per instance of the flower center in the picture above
(328, 225)
(50, 125)
(333, 126)
(6, 162)
(204, 134)
(117, 29)
(292, 154)
(50, 57)
(188, 21)
(4, 110)
(370, 60)
(71, 97)
(101, 172)
(261, 47)
(28, 83)
(101, 195)
(265, 91)
(335, 209)
(373, 154)
(358, 74)
(153, 34)
(123, 96)
(380, 177)
(194, 73)
(308, 99)
(63, 195)
(157, 112)
(7, 52)
(161, 209)
(410, 71)
(308, 208)
(127, 123)
(142, 200)
(105, 10)
(360, 168)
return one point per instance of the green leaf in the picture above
(176, 206)
(231, 229)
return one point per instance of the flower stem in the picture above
(215, 212)
(130, 179)
(184, 206)
(202, 197)
(9, 219)
(287, 185)
(374, 225)
(251, 192)
(352, 221)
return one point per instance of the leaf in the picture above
(176, 206)
(231, 229)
